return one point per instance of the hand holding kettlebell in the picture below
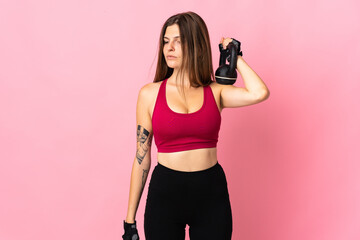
(223, 47)
(131, 232)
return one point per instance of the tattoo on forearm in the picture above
(143, 143)
(145, 172)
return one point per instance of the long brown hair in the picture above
(195, 44)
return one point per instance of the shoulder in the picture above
(214, 84)
(216, 87)
(149, 89)
(147, 95)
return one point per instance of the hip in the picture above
(176, 184)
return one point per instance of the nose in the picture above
(170, 46)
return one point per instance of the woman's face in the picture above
(172, 46)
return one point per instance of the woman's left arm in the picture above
(255, 90)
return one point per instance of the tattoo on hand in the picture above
(143, 143)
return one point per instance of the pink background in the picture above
(70, 72)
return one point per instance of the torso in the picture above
(191, 160)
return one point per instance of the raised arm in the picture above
(142, 160)
(255, 90)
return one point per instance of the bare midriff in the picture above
(190, 160)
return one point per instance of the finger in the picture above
(226, 42)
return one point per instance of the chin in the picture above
(172, 65)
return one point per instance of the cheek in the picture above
(180, 51)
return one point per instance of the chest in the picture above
(191, 103)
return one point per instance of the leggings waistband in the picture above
(163, 168)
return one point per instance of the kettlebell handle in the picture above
(233, 57)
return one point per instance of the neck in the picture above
(176, 76)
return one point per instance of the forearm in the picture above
(139, 176)
(252, 81)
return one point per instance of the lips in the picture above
(170, 57)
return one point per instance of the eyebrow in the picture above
(174, 37)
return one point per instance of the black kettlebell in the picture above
(226, 74)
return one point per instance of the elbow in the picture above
(263, 95)
(267, 94)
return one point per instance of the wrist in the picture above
(130, 220)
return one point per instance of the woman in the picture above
(188, 185)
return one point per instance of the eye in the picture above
(165, 42)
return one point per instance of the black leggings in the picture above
(199, 199)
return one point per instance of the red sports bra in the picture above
(175, 131)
